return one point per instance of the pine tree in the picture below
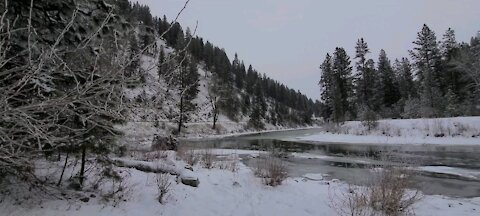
(327, 86)
(452, 104)
(147, 39)
(238, 71)
(449, 44)
(259, 109)
(451, 75)
(388, 87)
(405, 79)
(336, 85)
(426, 56)
(134, 53)
(124, 7)
(250, 81)
(180, 42)
(364, 77)
(343, 89)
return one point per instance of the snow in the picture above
(441, 131)
(466, 173)
(223, 192)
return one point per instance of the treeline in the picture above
(241, 86)
(441, 80)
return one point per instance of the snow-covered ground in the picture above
(443, 131)
(223, 192)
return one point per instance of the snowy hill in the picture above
(153, 103)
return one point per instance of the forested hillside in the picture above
(236, 90)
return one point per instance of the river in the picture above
(449, 170)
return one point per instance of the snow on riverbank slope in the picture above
(222, 192)
(154, 108)
(444, 131)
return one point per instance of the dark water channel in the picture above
(353, 162)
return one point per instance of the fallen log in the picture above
(186, 176)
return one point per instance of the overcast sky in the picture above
(288, 39)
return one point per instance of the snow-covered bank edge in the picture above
(247, 133)
(441, 131)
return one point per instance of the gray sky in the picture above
(288, 39)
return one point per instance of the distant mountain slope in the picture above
(240, 99)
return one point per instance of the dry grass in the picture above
(230, 163)
(163, 185)
(188, 155)
(208, 158)
(272, 170)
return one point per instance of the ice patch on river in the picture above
(466, 173)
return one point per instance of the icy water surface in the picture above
(441, 170)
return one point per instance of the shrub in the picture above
(163, 186)
(208, 158)
(231, 163)
(389, 192)
(412, 108)
(272, 171)
(368, 118)
(188, 155)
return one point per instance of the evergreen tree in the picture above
(124, 8)
(238, 71)
(134, 52)
(259, 108)
(426, 56)
(449, 44)
(452, 104)
(451, 75)
(327, 86)
(250, 81)
(180, 42)
(343, 86)
(388, 87)
(406, 84)
(147, 39)
(364, 78)
(336, 85)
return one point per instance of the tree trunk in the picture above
(63, 170)
(180, 120)
(215, 116)
(82, 166)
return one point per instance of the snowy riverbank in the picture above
(441, 131)
(223, 192)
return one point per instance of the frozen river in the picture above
(449, 170)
